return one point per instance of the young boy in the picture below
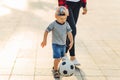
(60, 29)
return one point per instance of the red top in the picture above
(63, 3)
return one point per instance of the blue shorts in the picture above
(58, 50)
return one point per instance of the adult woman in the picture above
(73, 8)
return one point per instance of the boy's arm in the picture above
(70, 36)
(44, 42)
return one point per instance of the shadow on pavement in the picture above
(79, 74)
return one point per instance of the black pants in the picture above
(74, 9)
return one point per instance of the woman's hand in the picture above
(84, 11)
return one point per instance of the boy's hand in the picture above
(70, 45)
(43, 44)
(84, 11)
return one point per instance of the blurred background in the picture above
(22, 24)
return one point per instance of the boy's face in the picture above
(61, 19)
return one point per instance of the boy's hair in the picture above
(61, 11)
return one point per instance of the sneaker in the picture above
(56, 74)
(75, 62)
(64, 58)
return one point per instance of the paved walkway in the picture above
(21, 31)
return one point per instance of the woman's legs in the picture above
(72, 20)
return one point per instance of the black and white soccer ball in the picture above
(66, 68)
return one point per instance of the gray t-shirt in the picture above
(59, 32)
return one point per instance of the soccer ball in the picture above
(66, 68)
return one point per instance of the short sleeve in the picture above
(50, 27)
(68, 27)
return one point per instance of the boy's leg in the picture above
(55, 68)
(63, 53)
(56, 62)
(56, 56)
